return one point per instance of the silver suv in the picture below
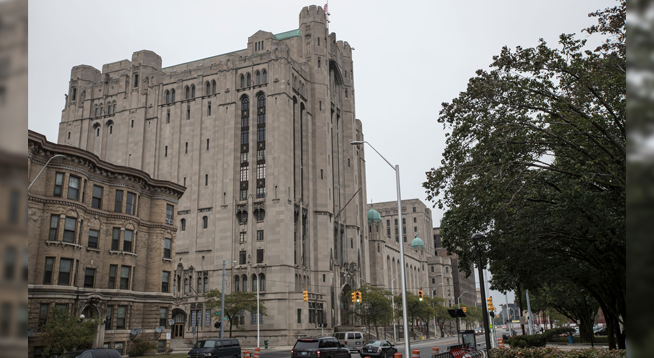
(350, 340)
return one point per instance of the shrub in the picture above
(537, 340)
(555, 353)
(139, 348)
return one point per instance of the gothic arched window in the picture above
(213, 86)
(237, 283)
(257, 76)
(167, 96)
(192, 91)
(262, 282)
(207, 88)
(242, 81)
(172, 95)
(183, 224)
(249, 79)
(245, 283)
(187, 92)
(265, 77)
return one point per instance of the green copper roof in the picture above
(288, 34)
(417, 243)
(373, 215)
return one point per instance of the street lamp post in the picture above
(222, 300)
(42, 169)
(405, 320)
(393, 307)
(459, 299)
(432, 296)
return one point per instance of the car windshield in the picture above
(205, 344)
(306, 344)
(374, 343)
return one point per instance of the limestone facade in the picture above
(261, 139)
(101, 242)
(460, 284)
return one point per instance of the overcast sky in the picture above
(410, 56)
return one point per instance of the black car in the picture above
(92, 353)
(319, 347)
(378, 348)
(220, 348)
(600, 332)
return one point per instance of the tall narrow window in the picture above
(265, 76)
(163, 316)
(115, 239)
(165, 278)
(54, 228)
(242, 237)
(96, 202)
(213, 86)
(261, 134)
(70, 225)
(207, 143)
(205, 222)
(118, 201)
(262, 282)
(167, 116)
(165, 151)
(167, 245)
(121, 313)
(167, 96)
(73, 188)
(192, 91)
(237, 283)
(259, 235)
(136, 80)
(206, 180)
(187, 92)
(169, 214)
(242, 81)
(59, 182)
(209, 108)
(242, 257)
(257, 76)
(188, 112)
(186, 148)
(108, 316)
(113, 269)
(318, 62)
(172, 95)
(249, 79)
(89, 277)
(245, 283)
(65, 268)
(74, 95)
(127, 240)
(124, 277)
(259, 256)
(43, 314)
(131, 202)
(207, 88)
(93, 239)
(49, 264)
(183, 224)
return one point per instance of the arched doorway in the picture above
(179, 317)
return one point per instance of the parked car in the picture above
(378, 348)
(92, 353)
(350, 340)
(600, 332)
(319, 347)
(215, 347)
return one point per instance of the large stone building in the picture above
(261, 139)
(101, 243)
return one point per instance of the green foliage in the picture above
(64, 332)
(416, 309)
(536, 159)
(375, 308)
(536, 340)
(139, 348)
(555, 353)
(235, 302)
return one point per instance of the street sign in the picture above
(167, 335)
(216, 313)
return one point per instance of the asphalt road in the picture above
(425, 348)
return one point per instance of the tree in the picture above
(441, 315)
(416, 309)
(536, 160)
(235, 304)
(376, 307)
(65, 332)
(473, 315)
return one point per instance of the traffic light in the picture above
(358, 296)
(306, 295)
(489, 303)
(464, 309)
(420, 295)
(354, 296)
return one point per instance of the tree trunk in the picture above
(522, 325)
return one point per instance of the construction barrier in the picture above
(434, 350)
(397, 355)
(257, 351)
(500, 342)
(415, 353)
(246, 353)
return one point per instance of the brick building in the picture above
(101, 243)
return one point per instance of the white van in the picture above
(350, 340)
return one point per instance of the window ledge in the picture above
(166, 260)
(92, 249)
(61, 243)
(122, 253)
